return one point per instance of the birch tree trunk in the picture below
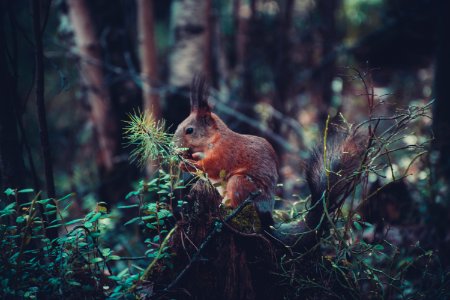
(93, 78)
(148, 56)
(188, 25)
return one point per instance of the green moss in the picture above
(247, 221)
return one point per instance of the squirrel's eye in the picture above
(189, 130)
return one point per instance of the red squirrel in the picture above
(248, 163)
(243, 163)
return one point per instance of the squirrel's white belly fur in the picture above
(219, 184)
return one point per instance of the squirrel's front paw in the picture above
(226, 202)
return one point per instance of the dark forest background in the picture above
(73, 71)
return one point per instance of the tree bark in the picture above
(218, 255)
(282, 69)
(441, 109)
(189, 26)
(147, 49)
(12, 168)
(188, 22)
(245, 33)
(209, 68)
(40, 101)
(440, 210)
(326, 10)
(93, 78)
(52, 233)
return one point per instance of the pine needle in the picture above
(150, 139)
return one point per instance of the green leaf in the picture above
(20, 219)
(163, 192)
(106, 252)
(9, 192)
(131, 194)
(151, 217)
(72, 282)
(68, 205)
(88, 225)
(378, 247)
(26, 204)
(26, 191)
(164, 214)
(96, 260)
(49, 206)
(127, 206)
(114, 257)
(75, 221)
(357, 225)
(44, 201)
(156, 239)
(150, 226)
(134, 220)
(54, 226)
(10, 206)
(95, 217)
(66, 197)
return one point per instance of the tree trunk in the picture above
(40, 101)
(93, 78)
(326, 10)
(12, 169)
(149, 71)
(440, 210)
(210, 66)
(441, 110)
(42, 118)
(188, 22)
(245, 33)
(218, 255)
(147, 49)
(282, 75)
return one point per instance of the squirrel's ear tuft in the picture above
(199, 94)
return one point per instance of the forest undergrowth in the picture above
(109, 252)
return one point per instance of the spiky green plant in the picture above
(150, 139)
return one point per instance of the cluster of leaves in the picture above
(32, 264)
(155, 202)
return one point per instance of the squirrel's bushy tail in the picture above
(331, 170)
(331, 173)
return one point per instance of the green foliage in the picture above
(32, 265)
(150, 139)
(83, 261)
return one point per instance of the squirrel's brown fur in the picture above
(244, 163)
(247, 163)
